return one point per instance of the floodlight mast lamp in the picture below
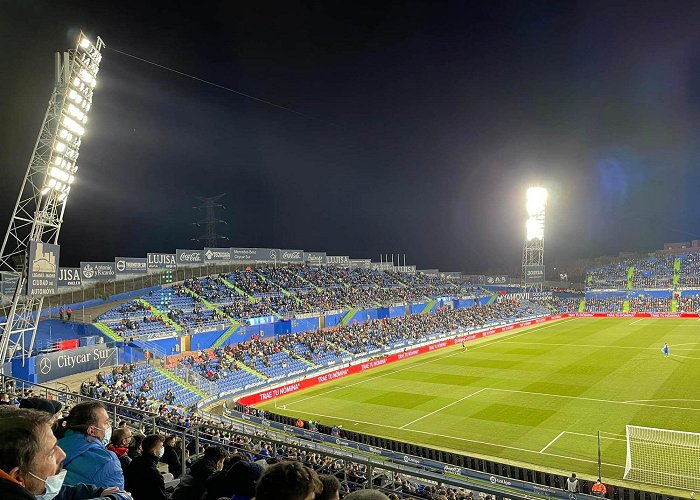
(533, 249)
(41, 203)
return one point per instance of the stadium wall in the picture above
(206, 339)
(331, 320)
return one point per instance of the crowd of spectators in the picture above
(654, 272)
(689, 276)
(648, 273)
(607, 304)
(650, 304)
(284, 291)
(613, 276)
(688, 303)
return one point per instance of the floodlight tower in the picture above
(532, 277)
(38, 213)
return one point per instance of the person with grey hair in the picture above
(31, 461)
(366, 495)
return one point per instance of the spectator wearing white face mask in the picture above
(143, 480)
(83, 435)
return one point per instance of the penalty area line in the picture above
(552, 441)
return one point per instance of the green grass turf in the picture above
(537, 396)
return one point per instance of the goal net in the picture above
(663, 457)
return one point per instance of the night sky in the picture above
(417, 125)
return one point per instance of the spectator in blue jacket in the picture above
(83, 436)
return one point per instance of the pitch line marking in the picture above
(637, 321)
(601, 435)
(552, 441)
(544, 344)
(437, 358)
(598, 400)
(442, 408)
(684, 357)
(460, 439)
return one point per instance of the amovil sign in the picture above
(63, 363)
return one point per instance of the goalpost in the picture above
(663, 457)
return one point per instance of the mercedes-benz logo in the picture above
(45, 366)
(572, 496)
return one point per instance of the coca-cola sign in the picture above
(190, 257)
(291, 255)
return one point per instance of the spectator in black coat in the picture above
(192, 485)
(171, 456)
(238, 481)
(143, 480)
(135, 446)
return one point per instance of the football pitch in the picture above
(536, 396)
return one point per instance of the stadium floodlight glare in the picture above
(535, 205)
(534, 229)
(536, 200)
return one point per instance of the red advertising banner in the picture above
(632, 315)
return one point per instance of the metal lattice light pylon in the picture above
(38, 213)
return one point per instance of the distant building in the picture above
(681, 247)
